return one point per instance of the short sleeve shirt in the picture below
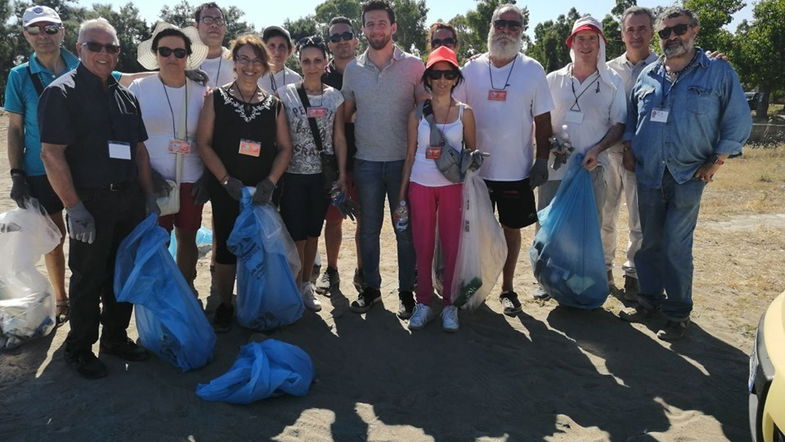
(270, 82)
(219, 70)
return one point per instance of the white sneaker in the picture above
(450, 319)
(422, 315)
(309, 299)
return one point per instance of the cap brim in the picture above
(43, 19)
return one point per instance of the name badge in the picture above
(119, 150)
(494, 95)
(433, 152)
(250, 148)
(575, 117)
(659, 115)
(316, 112)
(179, 146)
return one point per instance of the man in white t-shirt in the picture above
(511, 103)
(280, 46)
(219, 67)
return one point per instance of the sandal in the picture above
(63, 312)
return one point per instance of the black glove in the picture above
(199, 191)
(234, 188)
(20, 190)
(539, 173)
(81, 224)
(160, 187)
(198, 76)
(264, 192)
(349, 209)
(151, 204)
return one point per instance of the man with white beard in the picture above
(510, 98)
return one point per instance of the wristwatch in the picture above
(15, 172)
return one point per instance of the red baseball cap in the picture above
(586, 23)
(442, 53)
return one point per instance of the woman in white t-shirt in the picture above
(170, 105)
(279, 45)
(304, 199)
(432, 197)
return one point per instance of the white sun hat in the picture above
(149, 60)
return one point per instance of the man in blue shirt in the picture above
(687, 114)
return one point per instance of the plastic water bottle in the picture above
(401, 216)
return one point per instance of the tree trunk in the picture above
(762, 106)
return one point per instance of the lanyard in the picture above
(171, 111)
(273, 82)
(578, 96)
(507, 81)
(679, 75)
(218, 72)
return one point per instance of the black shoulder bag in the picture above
(329, 162)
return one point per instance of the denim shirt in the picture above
(708, 115)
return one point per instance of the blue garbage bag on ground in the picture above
(169, 319)
(567, 255)
(263, 369)
(267, 295)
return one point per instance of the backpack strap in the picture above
(39, 87)
(317, 137)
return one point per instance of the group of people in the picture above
(213, 123)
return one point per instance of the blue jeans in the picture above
(374, 179)
(668, 216)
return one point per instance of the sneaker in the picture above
(641, 314)
(329, 281)
(510, 303)
(222, 321)
(366, 300)
(86, 364)
(127, 350)
(630, 288)
(674, 330)
(449, 319)
(406, 308)
(310, 301)
(541, 293)
(423, 314)
(359, 284)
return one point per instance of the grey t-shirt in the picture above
(383, 99)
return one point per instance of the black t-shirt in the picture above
(92, 120)
(332, 77)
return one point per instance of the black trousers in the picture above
(116, 213)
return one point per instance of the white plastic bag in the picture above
(482, 249)
(27, 304)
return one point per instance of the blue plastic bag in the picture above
(170, 321)
(204, 239)
(263, 369)
(267, 295)
(567, 255)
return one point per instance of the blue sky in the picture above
(266, 12)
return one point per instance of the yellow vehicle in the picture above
(767, 376)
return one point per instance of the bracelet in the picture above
(225, 180)
(18, 172)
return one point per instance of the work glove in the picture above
(539, 173)
(347, 206)
(20, 190)
(81, 225)
(151, 204)
(264, 192)
(160, 187)
(474, 160)
(198, 76)
(234, 188)
(199, 191)
(9, 227)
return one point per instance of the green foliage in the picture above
(713, 15)
(410, 18)
(130, 28)
(612, 30)
(550, 37)
(182, 14)
(351, 9)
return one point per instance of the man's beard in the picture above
(379, 44)
(502, 46)
(677, 50)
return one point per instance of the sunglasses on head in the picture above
(49, 29)
(436, 42)
(679, 29)
(509, 24)
(163, 51)
(96, 47)
(434, 74)
(346, 36)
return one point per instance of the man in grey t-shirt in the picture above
(381, 85)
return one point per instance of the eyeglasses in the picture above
(679, 29)
(208, 20)
(509, 24)
(49, 29)
(434, 74)
(449, 41)
(96, 47)
(163, 51)
(346, 36)
(242, 59)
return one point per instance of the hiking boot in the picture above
(310, 301)
(359, 284)
(222, 321)
(541, 294)
(86, 364)
(630, 289)
(511, 305)
(406, 308)
(366, 300)
(641, 314)
(423, 314)
(673, 330)
(127, 350)
(449, 319)
(329, 281)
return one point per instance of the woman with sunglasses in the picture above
(244, 141)
(170, 104)
(316, 127)
(432, 197)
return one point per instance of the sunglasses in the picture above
(163, 51)
(96, 47)
(218, 21)
(49, 29)
(509, 24)
(449, 41)
(679, 29)
(346, 36)
(434, 74)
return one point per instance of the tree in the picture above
(713, 15)
(182, 14)
(612, 29)
(130, 28)
(351, 9)
(410, 17)
(550, 37)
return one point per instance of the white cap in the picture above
(35, 14)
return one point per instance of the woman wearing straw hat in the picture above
(171, 104)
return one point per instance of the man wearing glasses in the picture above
(510, 98)
(687, 114)
(219, 67)
(93, 151)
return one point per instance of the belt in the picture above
(111, 187)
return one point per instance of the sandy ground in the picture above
(550, 373)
